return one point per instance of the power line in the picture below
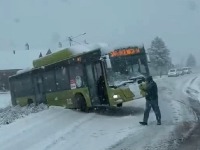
(71, 39)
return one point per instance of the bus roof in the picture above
(41, 64)
(52, 58)
(59, 56)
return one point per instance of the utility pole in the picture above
(27, 46)
(71, 39)
(85, 42)
(60, 45)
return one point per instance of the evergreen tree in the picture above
(59, 44)
(191, 61)
(40, 55)
(159, 55)
(48, 52)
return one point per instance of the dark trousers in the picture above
(154, 105)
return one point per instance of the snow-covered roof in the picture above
(76, 49)
(105, 48)
(19, 59)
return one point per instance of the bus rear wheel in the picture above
(29, 101)
(119, 105)
(80, 102)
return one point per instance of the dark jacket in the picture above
(100, 86)
(151, 90)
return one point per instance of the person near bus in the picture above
(101, 89)
(142, 87)
(151, 101)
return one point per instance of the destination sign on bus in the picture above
(125, 52)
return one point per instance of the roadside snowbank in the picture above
(10, 114)
(192, 88)
(5, 99)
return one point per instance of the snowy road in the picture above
(175, 112)
(116, 128)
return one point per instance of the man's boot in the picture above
(159, 123)
(143, 123)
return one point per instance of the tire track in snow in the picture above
(17, 132)
(41, 129)
(59, 138)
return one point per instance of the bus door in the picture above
(96, 84)
(39, 89)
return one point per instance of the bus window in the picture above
(97, 70)
(26, 82)
(142, 68)
(49, 81)
(23, 86)
(17, 87)
(76, 76)
(62, 78)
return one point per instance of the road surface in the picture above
(113, 128)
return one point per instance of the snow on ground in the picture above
(111, 128)
(10, 114)
(67, 129)
(192, 87)
(175, 114)
(5, 99)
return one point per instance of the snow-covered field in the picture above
(114, 128)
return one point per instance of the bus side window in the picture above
(49, 81)
(97, 71)
(27, 86)
(15, 84)
(76, 76)
(62, 78)
(19, 89)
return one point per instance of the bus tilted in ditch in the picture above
(75, 81)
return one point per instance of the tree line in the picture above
(160, 57)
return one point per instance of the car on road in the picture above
(187, 70)
(173, 73)
(180, 71)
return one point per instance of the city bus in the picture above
(74, 81)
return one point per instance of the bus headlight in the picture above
(116, 96)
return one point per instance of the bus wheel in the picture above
(29, 101)
(119, 105)
(80, 102)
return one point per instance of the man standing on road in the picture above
(151, 101)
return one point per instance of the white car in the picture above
(187, 70)
(180, 72)
(173, 73)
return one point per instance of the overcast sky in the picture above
(43, 23)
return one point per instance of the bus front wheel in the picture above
(80, 102)
(29, 101)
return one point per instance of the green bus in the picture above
(73, 81)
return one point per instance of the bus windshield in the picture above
(126, 68)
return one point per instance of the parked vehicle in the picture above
(173, 73)
(180, 72)
(187, 70)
